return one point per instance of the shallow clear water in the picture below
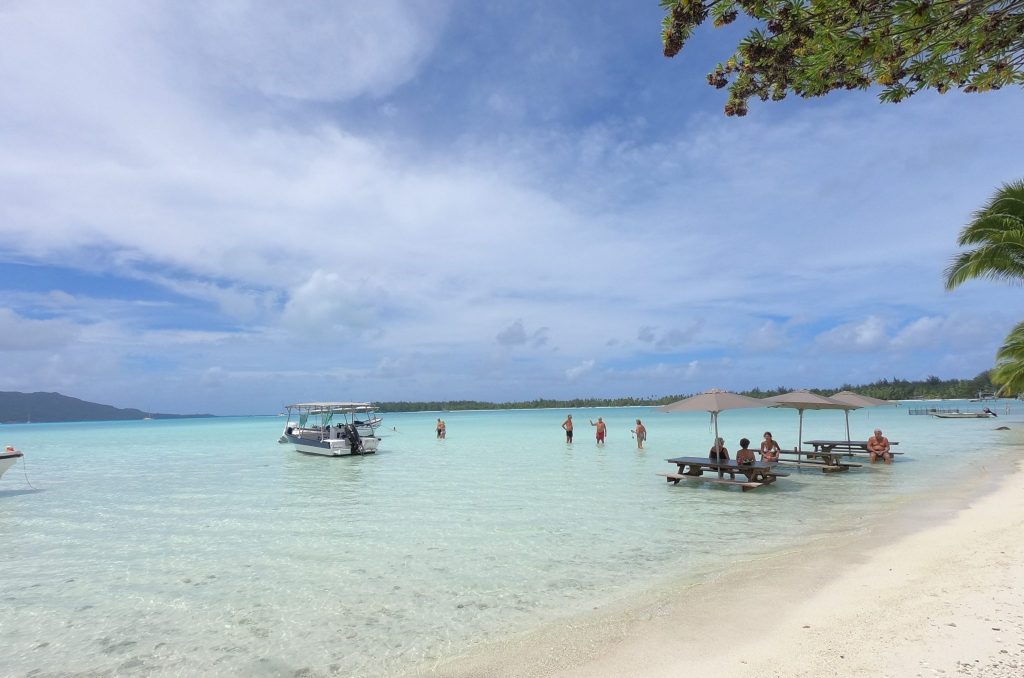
(204, 547)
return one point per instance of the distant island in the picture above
(888, 389)
(20, 408)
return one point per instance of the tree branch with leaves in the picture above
(813, 47)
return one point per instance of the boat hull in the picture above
(7, 460)
(962, 415)
(332, 447)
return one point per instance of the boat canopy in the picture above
(317, 408)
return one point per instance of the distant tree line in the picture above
(889, 389)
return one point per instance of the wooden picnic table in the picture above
(847, 447)
(693, 468)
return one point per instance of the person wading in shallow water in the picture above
(641, 434)
(567, 425)
(441, 428)
(602, 430)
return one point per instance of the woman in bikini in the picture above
(641, 434)
(769, 448)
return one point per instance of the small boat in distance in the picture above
(332, 429)
(963, 415)
(8, 457)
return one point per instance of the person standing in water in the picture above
(440, 428)
(602, 430)
(641, 434)
(567, 425)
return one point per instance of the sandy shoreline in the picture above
(941, 597)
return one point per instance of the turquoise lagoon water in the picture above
(204, 547)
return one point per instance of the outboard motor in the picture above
(355, 442)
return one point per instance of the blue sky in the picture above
(226, 207)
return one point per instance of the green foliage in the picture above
(996, 239)
(1009, 369)
(996, 236)
(539, 403)
(812, 47)
(895, 389)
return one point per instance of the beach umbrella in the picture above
(857, 401)
(713, 401)
(805, 400)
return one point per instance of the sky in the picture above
(229, 206)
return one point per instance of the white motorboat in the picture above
(963, 415)
(332, 429)
(8, 458)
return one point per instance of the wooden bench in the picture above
(745, 485)
(829, 461)
(864, 453)
(848, 447)
(694, 468)
(825, 466)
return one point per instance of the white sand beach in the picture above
(941, 597)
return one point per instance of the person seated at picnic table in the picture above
(719, 452)
(769, 448)
(745, 455)
(878, 446)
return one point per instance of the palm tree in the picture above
(997, 236)
(1009, 369)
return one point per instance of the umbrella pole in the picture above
(718, 448)
(847, 425)
(800, 435)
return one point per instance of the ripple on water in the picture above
(191, 547)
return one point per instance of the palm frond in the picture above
(996, 234)
(1008, 372)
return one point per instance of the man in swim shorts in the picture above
(441, 428)
(602, 429)
(878, 446)
(567, 425)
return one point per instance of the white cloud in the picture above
(577, 371)
(960, 329)
(676, 338)
(213, 377)
(331, 303)
(178, 146)
(765, 338)
(319, 50)
(864, 335)
(18, 333)
(516, 335)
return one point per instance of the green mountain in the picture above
(18, 408)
